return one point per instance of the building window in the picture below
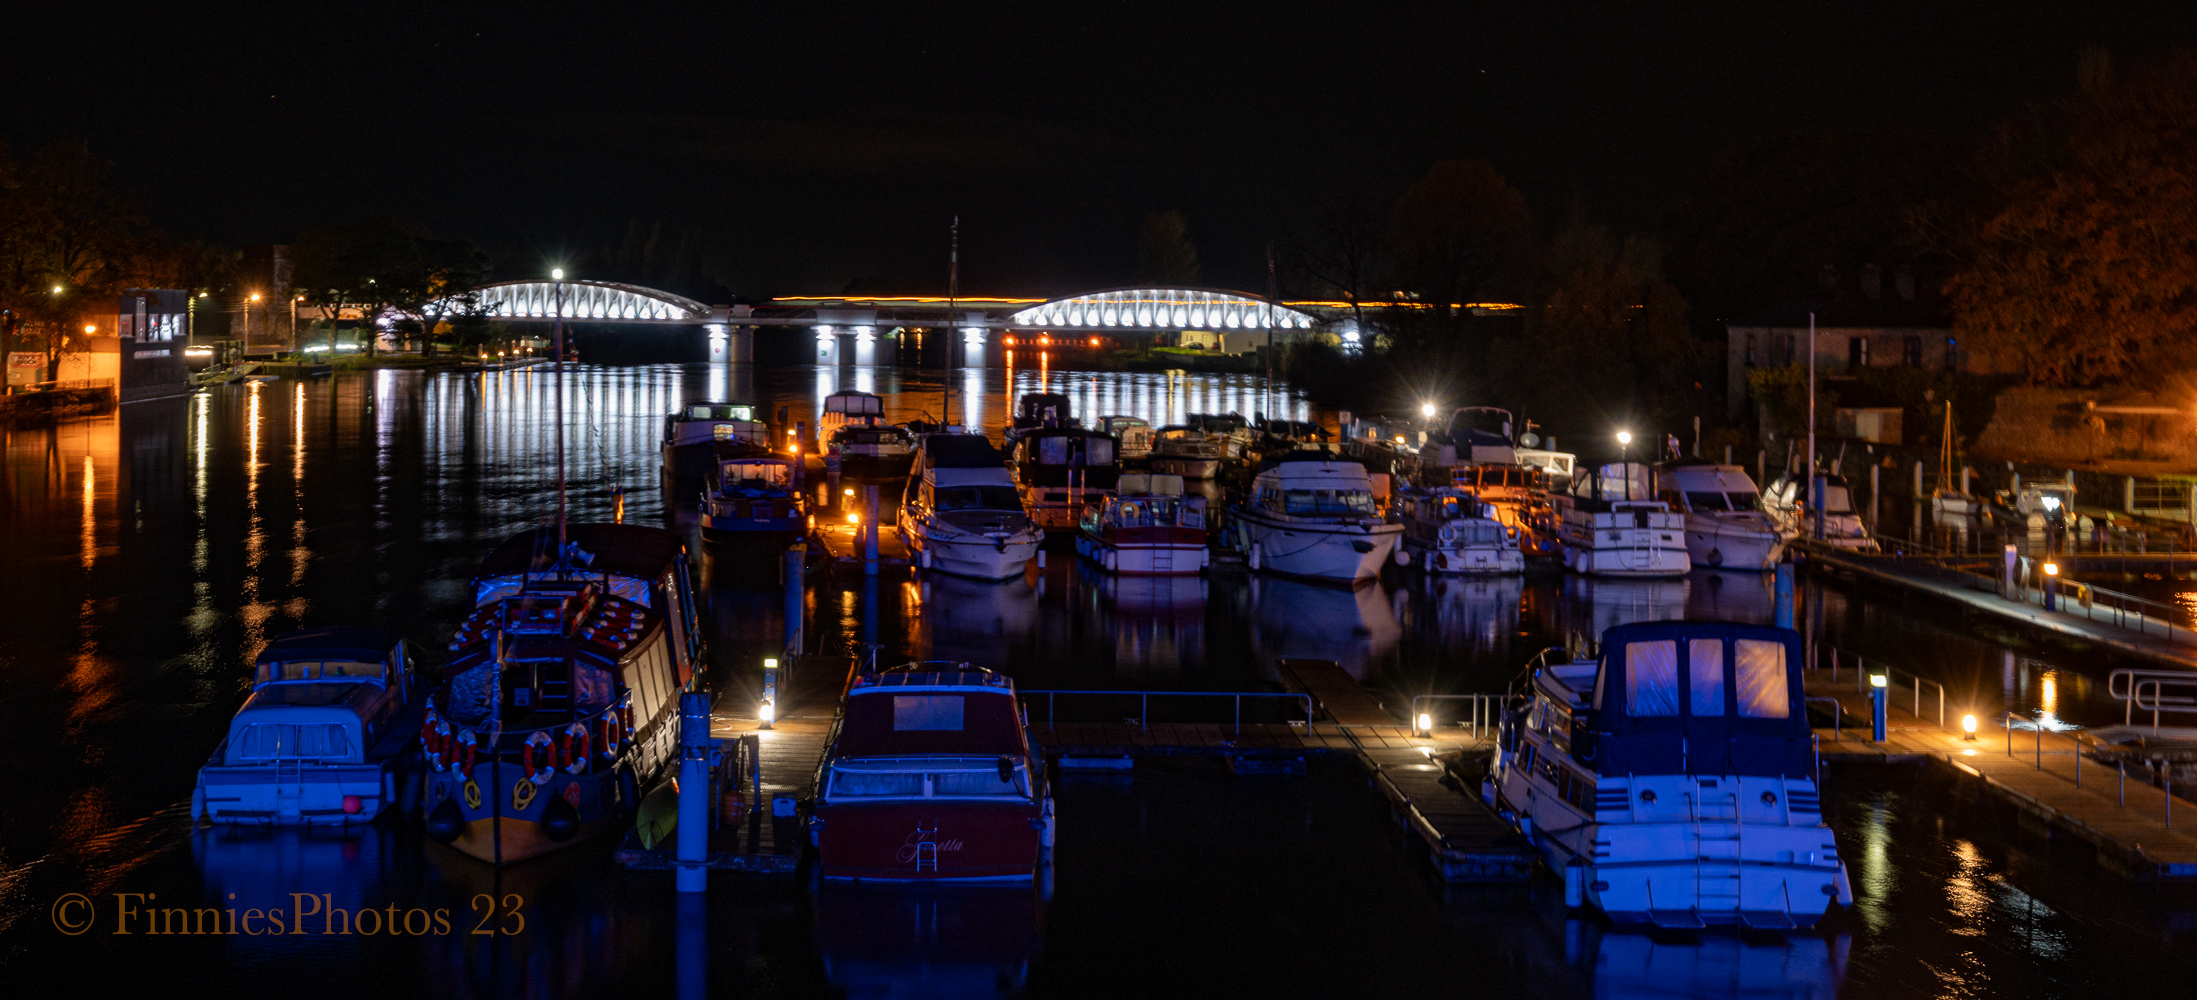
(1857, 352)
(1750, 350)
(1913, 350)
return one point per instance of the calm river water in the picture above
(145, 557)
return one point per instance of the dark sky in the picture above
(817, 144)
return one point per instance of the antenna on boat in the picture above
(953, 291)
(558, 275)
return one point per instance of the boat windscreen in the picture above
(321, 670)
(1702, 500)
(1745, 500)
(976, 498)
(1327, 501)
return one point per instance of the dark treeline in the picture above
(2061, 249)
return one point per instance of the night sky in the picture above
(818, 145)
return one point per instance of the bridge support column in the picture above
(827, 346)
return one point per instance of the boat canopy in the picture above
(1617, 481)
(961, 451)
(854, 403)
(348, 643)
(715, 411)
(1698, 698)
(931, 708)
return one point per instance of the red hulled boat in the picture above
(930, 776)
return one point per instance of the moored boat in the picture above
(1147, 528)
(1672, 782)
(326, 736)
(751, 493)
(1451, 531)
(963, 515)
(1720, 507)
(1312, 514)
(1038, 410)
(560, 705)
(694, 434)
(871, 451)
(1059, 469)
(1520, 495)
(1611, 524)
(1788, 505)
(1133, 434)
(931, 776)
(1186, 452)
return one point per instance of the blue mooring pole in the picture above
(695, 747)
(796, 589)
(869, 531)
(1785, 595)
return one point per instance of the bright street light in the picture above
(2051, 569)
(557, 274)
(57, 289)
(1624, 437)
(1426, 409)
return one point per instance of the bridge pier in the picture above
(730, 344)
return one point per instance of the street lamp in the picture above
(1426, 410)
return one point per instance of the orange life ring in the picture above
(471, 742)
(572, 748)
(526, 758)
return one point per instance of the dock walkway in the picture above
(2177, 647)
(2037, 772)
(769, 836)
(841, 543)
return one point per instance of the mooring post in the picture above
(796, 589)
(1785, 595)
(694, 754)
(869, 530)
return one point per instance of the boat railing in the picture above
(2160, 692)
(1144, 701)
(1485, 709)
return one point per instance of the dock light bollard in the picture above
(1423, 725)
(694, 753)
(1878, 687)
(1968, 727)
(767, 711)
(2051, 586)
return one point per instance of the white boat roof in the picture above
(1313, 475)
(990, 476)
(1708, 478)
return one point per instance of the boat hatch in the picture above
(322, 671)
(270, 741)
(547, 612)
(930, 778)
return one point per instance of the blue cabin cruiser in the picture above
(1673, 781)
(751, 492)
(325, 736)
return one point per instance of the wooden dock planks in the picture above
(1337, 694)
(842, 542)
(1465, 840)
(2038, 777)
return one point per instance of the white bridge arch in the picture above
(600, 301)
(1161, 309)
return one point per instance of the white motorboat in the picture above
(1786, 503)
(964, 515)
(1672, 783)
(1612, 525)
(1448, 530)
(1134, 435)
(1060, 469)
(1520, 495)
(1186, 452)
(1313, 515)
(849, 408)
(325, 737)
(1721, 508)
(697, 433)
(1148, 528)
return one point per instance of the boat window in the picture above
(268, 741)
(295, 670)
(1705, 501)
(877, 783)
(1098, 451)
(350, 670)
(973, 783)
(1483, 534)
(1651, 677)
(1328, 501)
(1760, 665)
(1837, 501)
(1742, 500)
(1705, 676)
(1052, 450)
(927, 712)
(976, 498)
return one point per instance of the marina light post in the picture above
(2051, 586)
(1423, 725)
(1879, 691)
(767, 711)
(1968, 727)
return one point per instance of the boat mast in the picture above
(558, 386)
(1808, 485)
(953, 290)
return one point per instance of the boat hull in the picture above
(500, 811)
(1144, 558)
(289, 795)
(908, 842)
(976, 557)
(1343, 553)
(1719, 546)
(1628, 561)
(1466, 560)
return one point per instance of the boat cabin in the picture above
(701, 423)
(1708, 698)
(327, 694)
